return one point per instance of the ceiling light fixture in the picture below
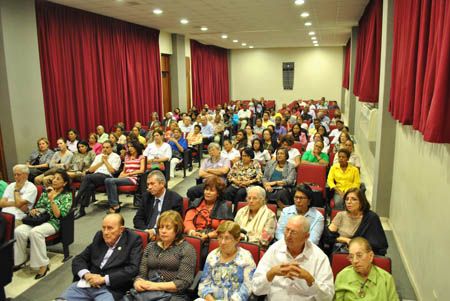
(203, 28)
(224, 36)
(250, 46)
(313, 38)
(299, 2)
(244, 44)
(304, 15)
(312, 33)
(235, 41)
(184, 21)
(157, 11)
(308, 23)
(316, 45)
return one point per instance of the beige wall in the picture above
(420, 210)
(165, 42)
(258, 72)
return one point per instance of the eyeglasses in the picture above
(300, 198)
(352, 200)
(352, 257)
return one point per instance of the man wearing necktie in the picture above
(155, 201)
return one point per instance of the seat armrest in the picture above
(192, 290)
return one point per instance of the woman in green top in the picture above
(316, 155)
(57, 201)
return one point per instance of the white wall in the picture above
(165, 42)
(420, 209)
(258, 72)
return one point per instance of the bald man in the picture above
(294, 268)
(107, 267)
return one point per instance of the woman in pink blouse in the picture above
(93, 144)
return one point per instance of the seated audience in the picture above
(206, 213)
(156, 200)
(186, 125)
(117, 148)
(316, 155)
(134, 166)
(294, 268)
(207, 130)
(280, 130)
(279, 176)
(261, 155)
(342, 177)
(153, 121)
(358, 220)
(244, 115)
(302, 206)
(39, 159)
(337, 131)
(215, 165)
(179, 145)
(258, 221)
(219, 128)
(56, 201)
(81, 161)
(314, 127)
(103, 167)
(294, 154)
(228, 269)
(60, 159)
(168, 264)
(324, 133)
(158, 151)
(363, 279)
(195, 137)
(266, 120)
(250, 136)
(101, 135)
(106, 268)
(240, 140)
(229, 152)
(354, 158)
(149, 136)
(72, 140)
(258, 127)
(343, 137)
(137, 133)
(317, 137)
(299, 134)
(19, 196)
(93, 143)
(121, 138)
(269, 143)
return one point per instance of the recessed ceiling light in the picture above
(312, 33)
(235, 41)
(250, 46)
(316, 45)
(224, 36)
(203, 28)
(308, 23)
(304, 15)
(299, 2)
(157, 11)
(184, 21)
(315, 42)
(244, 44)
(313, 38)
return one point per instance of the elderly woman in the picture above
(302, 206)
(316, 155)
(39, 159)
(158, 151)
(81, 161)
(60, 159)
(354, 158)
(72, 140)
(358, 220)
(230, 152)
(342, 177)
(206, 213)
(256, 218)
(228, 269)
(243, 174)
(363, 280)
(57, 201)
(261, 155)
(168, 264)
(294, 154)
(195, 137)
(134, 166)
(279, 177)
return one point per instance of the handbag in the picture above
(133, 295)
(38, 219)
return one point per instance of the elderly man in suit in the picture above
(155, 201)
(106, 268)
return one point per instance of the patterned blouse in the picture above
(62, 200)
(82, 162)
(176, 263)
(241, 173)
(227, 281)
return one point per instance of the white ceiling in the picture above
(261, 23)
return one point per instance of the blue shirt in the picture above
(314, 217)
(181, 141)
(281, 130)
(207, 130)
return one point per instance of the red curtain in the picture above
(95, 70)
(346, 76)
(209, 74)
(368, 51)
(420, 92)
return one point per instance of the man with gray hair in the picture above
(19, 197)
(186, 125)
(101, 135)
(294, 268)
(156, 200)
(215, 165)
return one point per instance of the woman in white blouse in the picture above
(158, 151)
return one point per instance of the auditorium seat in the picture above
(340, 260)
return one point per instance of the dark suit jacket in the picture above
(122, 266)
(172, 201)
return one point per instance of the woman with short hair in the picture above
(39, 160)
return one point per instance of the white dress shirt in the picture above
(312, 259)
(113, 159)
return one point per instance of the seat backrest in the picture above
(144, 237)
(272, 207)
(334, 212)
(312, 173)
(339, 261)
(10, 224)
(196, 242)
(213, 244)
(254, 249)
(40, 190)
(321, 210)
(185, 206)
(298, 146)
